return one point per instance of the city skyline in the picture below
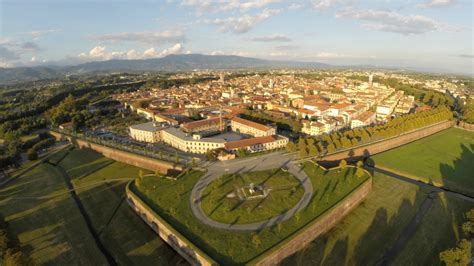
(424, 34)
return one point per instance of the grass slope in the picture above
(171, 200)
(444, 158)
(52, 230)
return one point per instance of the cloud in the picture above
(100, 53)
(272, 38)
(465, 55)
(8, 55)
(437, 3)
(321, 5)
(142, 37)
(213, 6)
(286, 47)
(244, 23)
(295, 6)
(390, 21)
(36, 34)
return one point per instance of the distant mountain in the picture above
(168, 63)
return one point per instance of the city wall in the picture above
(466, 126)
(366, 150)
(321, 225)
(178, 242)
(123, 156)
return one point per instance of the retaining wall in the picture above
(123, 156)
(466, 126)
(178, 242)
(320, 226)
(387, 144)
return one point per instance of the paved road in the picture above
(269, 161)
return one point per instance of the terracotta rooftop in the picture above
(251, 124)
(200, 123)
(249, 142)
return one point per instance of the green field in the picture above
(445, 159)
(51, 229)
(434, 237)
(170, 199)
(284, 192)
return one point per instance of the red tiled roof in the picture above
(249, 142)
(251, 124)
(200, 123)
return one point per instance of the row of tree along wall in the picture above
(123, 156)
(386, 144)
(317, 227)
(178, 242)
(465, 125)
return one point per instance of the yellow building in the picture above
(146, 132)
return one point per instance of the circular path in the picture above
(246, 165)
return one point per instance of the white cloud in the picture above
(295, 6)
(142, 37)
(212, 6)
(100, 53)
(437, 3)
(271, 38)
(244, 23)
(323, 4)
(37, 34)
(390, 21)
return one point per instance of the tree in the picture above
(14, 258)
(291, 147)
(331, 148)
(343, 164)
(313, 150)
(256, 240)
(193, 163)
(177, 158)
(460, 255)
(359, 172)
(32, 155)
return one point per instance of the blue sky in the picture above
(434, 34)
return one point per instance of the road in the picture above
(268, 161)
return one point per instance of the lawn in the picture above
(363, 236)
(46, 220)
(444, 159)
(221, 200)
(52, 230)
(433, 237)
(170, 199)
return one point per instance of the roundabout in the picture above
(250, 197)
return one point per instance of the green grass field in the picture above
(285, 192)
(368, 231)
(52, 230)
(445, 158)
(433, 237)
(170, 199)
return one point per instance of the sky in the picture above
(424, 34)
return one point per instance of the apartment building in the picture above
(146, 132)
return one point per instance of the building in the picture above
(257, 144)
(207, 125)
(146, 132)
(365, 119)
(188, 142)
(248, 127)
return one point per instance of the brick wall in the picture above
(316, 228)
(123, 156)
